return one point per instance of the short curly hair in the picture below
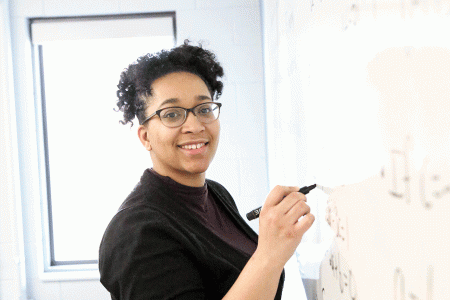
(135, 84)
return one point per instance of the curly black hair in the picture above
(135, 83)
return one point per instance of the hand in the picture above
(280, 226)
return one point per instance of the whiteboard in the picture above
(358, 99)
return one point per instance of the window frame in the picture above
(49, 268)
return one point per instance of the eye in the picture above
(205, 110)
(171, 114)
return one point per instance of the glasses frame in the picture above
(187, 110)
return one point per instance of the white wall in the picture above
(232, 30)
(11, 250)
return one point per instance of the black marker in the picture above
(254, 214)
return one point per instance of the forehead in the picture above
(177, 89)
(179, 82)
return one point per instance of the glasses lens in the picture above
(207, 112)
(172, 117)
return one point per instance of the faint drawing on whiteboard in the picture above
(399, 284)
(339, 226)
(426, 201)
(351, 16)
(336, 272)
(400, 290)
(399, 175)
(430, 274)
(439, 194)
(433, 185)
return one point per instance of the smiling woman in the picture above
(172, 148)
(179, 235)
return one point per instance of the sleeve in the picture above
(142, 257)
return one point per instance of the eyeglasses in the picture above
(176, 116)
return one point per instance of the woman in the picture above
(179, 235)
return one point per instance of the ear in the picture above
(143, 135)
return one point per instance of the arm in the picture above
(141, 259)
(280, 233)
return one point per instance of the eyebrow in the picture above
(176, 100)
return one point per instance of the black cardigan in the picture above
(154, 249)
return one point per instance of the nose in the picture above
(192, 124)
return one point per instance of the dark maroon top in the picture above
(202, 204)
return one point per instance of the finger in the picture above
(306, 200)
(297, 211)
(289, 201)
(278, 193)
(305, 223)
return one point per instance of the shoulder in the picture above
(135, 216)
(141, 191)
(139, 245)
(129, 225)
(132, 233)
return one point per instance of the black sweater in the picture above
(156, 248)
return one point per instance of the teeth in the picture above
(190, 147)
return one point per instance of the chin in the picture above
(197, 169)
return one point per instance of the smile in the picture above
(193, 146)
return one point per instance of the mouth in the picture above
(193, 146)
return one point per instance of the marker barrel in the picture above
(254, 214)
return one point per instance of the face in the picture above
(171, 149)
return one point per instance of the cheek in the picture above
(162, 138)
(217, 125)
(215, 130)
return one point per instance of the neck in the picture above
(188, 179)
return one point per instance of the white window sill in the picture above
(70, 273)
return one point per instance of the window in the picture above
(89, 162)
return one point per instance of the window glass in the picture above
(93, 162)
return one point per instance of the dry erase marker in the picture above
(254, 214)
